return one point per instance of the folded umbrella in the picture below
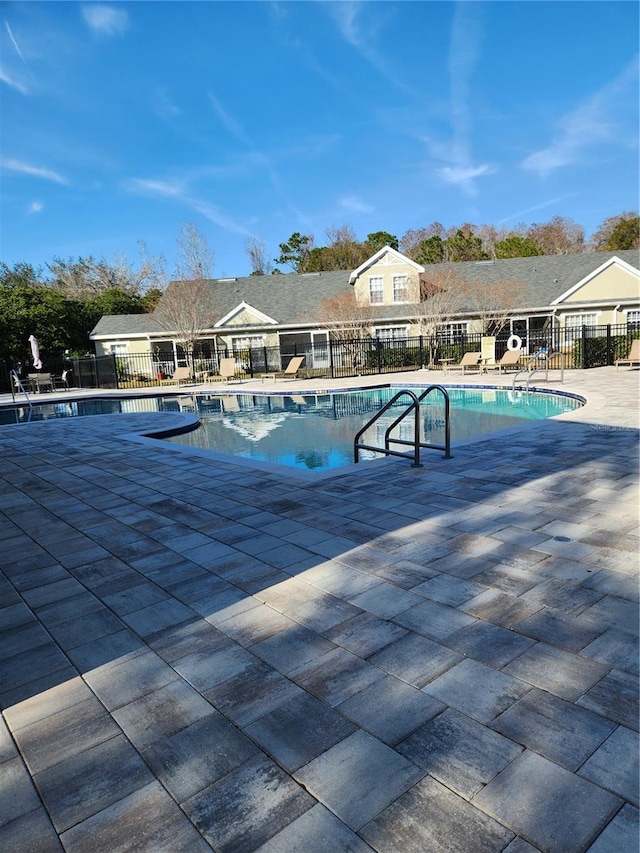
(35, 351)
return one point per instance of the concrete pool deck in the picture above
(199, 655)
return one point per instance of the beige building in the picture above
(541, 297)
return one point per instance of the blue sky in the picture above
(123, 121)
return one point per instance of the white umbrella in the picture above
(36, 352)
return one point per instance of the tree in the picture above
(295, 251)
(344, 317)
(559, 236)
(196, 258)
(442, 297)
(87, 277)
(601, 237)
(411, 242)
(379, 239)
(463, 245)
(257, 257)
(516, 246)
(185, 309)
(431, 251)
(626, 235)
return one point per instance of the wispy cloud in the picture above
(360, 30)
(18, 85)
(177, 191)
(354, 204)
(230, 123)
(34, 207)
(105, 20)
(464, 53)
(14, 41)
(552, 202)
(33, 171)
(591, 123)
(164, 106)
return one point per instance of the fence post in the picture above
(609, 345)
(583, 352)
(333, 375)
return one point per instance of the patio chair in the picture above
(227, 368)
(180, 374)
(633, 357)
(469, 361)
(290, 371)
(509, 361)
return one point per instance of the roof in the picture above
(546, 277)
(294, 299)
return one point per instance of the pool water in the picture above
(316, 432)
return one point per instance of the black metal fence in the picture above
(581, 347)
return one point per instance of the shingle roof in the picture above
(545, 277)
(294, 299)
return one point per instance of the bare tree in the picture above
(87, 277)
(443, 293)
(559, 236)
(343, 317)
(493, 302)
(187, 305)
(196, 260)
(257, 252)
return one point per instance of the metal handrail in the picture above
(416, 444)
(531, 370)
(16, 381)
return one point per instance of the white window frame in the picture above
(252, 342)
(119, 348)
(452, 329)
(391, 333)
(633, 317)
(576, 321)
(401, 285)
(376, 287)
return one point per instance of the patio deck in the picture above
(198, 655)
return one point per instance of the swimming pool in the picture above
(315, 432)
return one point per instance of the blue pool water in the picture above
(315, 431)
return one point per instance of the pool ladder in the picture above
(412, 408)
(16, 382)
(531, 369)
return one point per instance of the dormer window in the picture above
(400, 288)
(376, 290)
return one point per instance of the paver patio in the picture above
(197, 654)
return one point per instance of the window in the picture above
(400, 288)
(451, 331)
(392, 333)
(576, 321)
(247, 342)
(118, 349)
(376, 290)
(633, 319)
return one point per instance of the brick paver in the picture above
(198, 654)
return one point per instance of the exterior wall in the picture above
(135, 346)
(612, 283)
(245, 318)
(604, 316)
(386, 268)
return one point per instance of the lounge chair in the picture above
(469, 361)
(290, 371)
(509, 361)
(634, 355)
(180, 374)
(227, 368)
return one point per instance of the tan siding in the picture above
(386, 269)
(612, 283)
